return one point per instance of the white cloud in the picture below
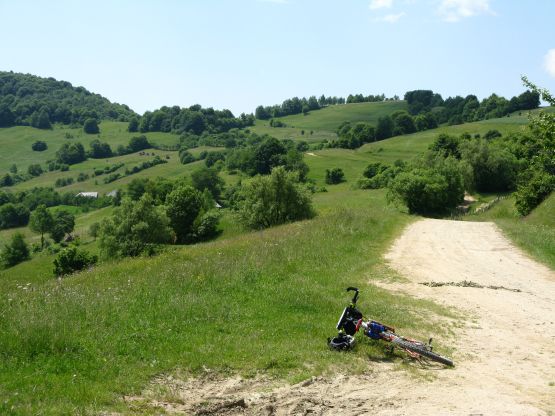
(380, 4)
(549, 62)
(390, 18)
(455, 10)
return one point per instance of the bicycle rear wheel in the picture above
(422, 350)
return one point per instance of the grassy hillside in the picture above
(16, 142)
(324, 122)
(78, 344)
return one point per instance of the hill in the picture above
(31, 100)
(324, 122)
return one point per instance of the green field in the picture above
(16, 142)
(324, 122)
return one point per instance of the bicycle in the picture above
(352, 320)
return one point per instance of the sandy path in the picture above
(505, 354)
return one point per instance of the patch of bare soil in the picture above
(504, 355)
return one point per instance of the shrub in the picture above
(334, 176)
(71, 153)
(429, 190)
(63, 222)
(135, 228)
(91, 126)
(15, 252)
(39, 146)
(13, 215)
(71, 260)
(495, 169)
(82, 177)
(186, 157)
(206, 225)
(275, 199)
(138, 143)
(206, 178)
(34, 170)
(492, 134)
(183, 206)
(532, 192)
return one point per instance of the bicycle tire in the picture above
(422, 350)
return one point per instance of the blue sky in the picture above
(237, 54)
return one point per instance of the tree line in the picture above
(193, 120)
(458, 110)
(29, 100)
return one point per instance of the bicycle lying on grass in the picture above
(352, 320)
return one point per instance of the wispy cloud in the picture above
(455, 10)
(380, 4)
(390, 18)
(549, 62)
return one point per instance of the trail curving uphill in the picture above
(504, 355)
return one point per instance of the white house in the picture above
(88, 194)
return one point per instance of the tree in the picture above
(133, 126)
(183, 206)
(39, 146)
(13, 215)
(34, 170)
(207, 178)
(63, 222)
(94, 229)
(186, 157)
(404, 124)
(15, 252)
(6, 180)
(134, 228)
(274, 199)
(100, 149)
(41, 120)
(384, 129)
(71, 153)
(138, 143)
(41, 222)
(13, 168)
(268, 155)
(71, 260)
(91, 126)
(334, 176)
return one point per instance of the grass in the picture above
(324, 122)
(16, 142)
(76, 345)
(534, 233)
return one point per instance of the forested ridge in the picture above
(29, 100)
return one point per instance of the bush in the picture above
(492, 134)
(495, 169)
(186, 157)
(15, 252)
(71, 153)
(334, 176)
(61, 182)
(532, 192)
(206, 178)
(135, 228)
(39, 146)
(13, 215)
(275, 199)
(71, 260)
(183, 206)
(34, 170)
(91, 126)
(138, 143)
(206, 225)
(429, 190)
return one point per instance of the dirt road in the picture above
(505, 353)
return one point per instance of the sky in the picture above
(238, 54)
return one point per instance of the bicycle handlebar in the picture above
(355, 297)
